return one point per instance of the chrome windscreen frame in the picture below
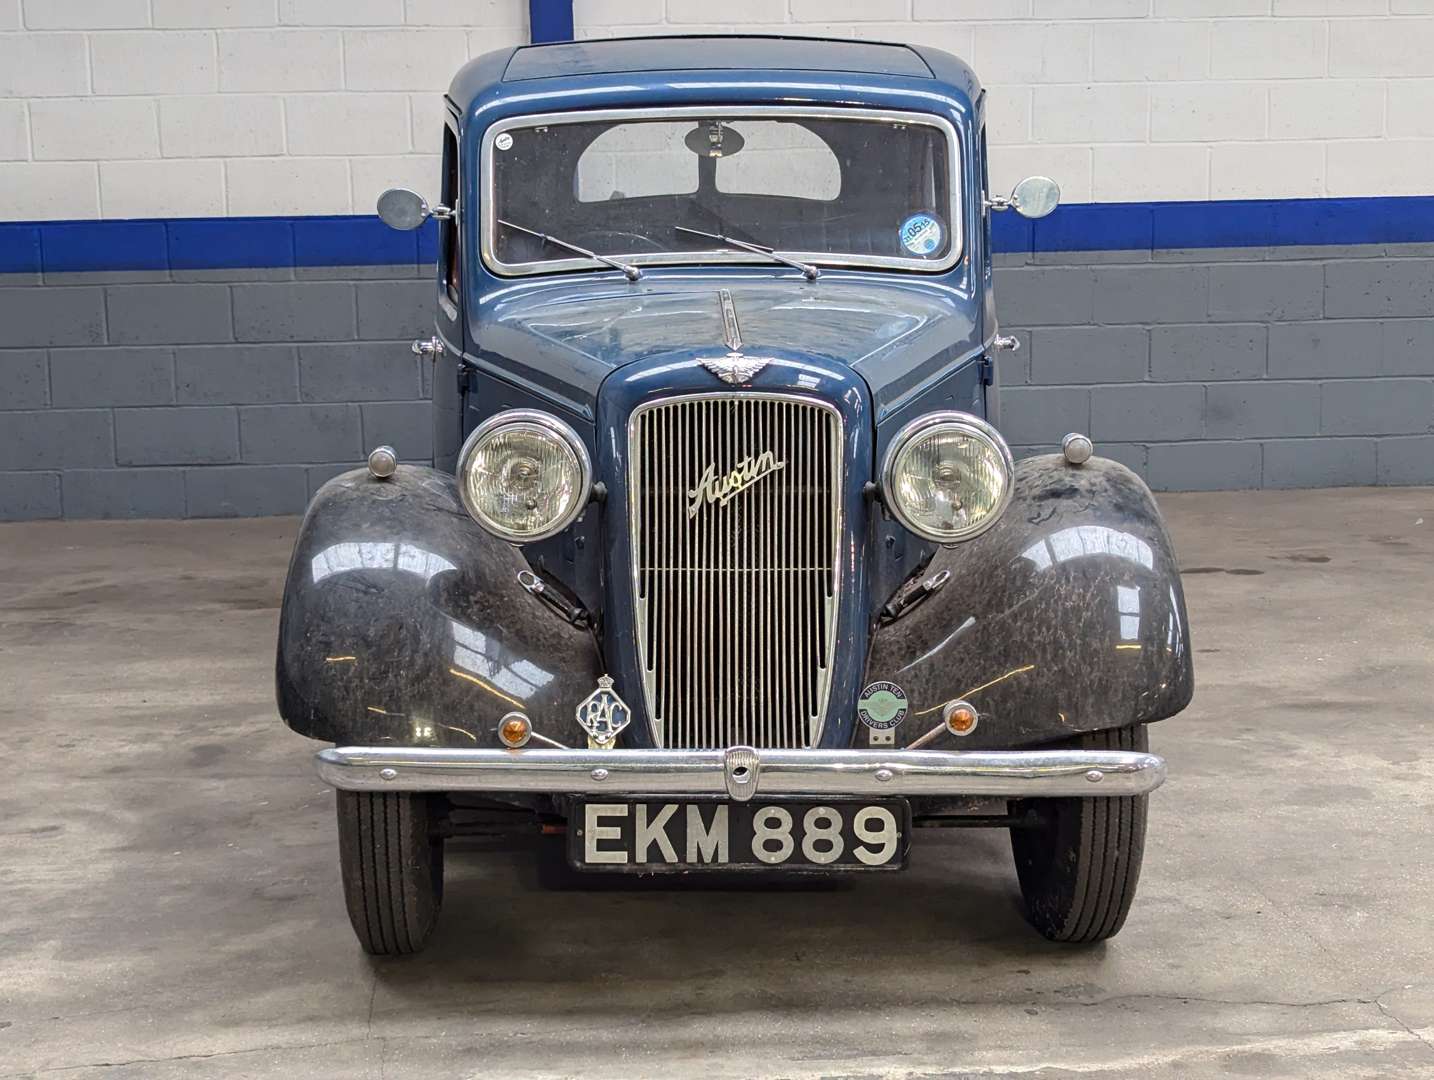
(489, 220)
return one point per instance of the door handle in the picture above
(431, 349)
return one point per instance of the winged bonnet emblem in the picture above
(733, 368)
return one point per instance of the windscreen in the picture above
(661, 189)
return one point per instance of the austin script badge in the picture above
(720, 490)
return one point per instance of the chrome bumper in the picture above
(741, 773)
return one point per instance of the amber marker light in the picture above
(514, 730)
(961, 718)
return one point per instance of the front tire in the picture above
(391, 858)
(1079, 865)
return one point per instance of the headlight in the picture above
(524, 475)
(947, 476)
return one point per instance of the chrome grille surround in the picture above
(736, 599)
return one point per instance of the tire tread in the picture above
(392, 869)
(1079, 870)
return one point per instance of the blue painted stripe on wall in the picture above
(19, 248)
(550, 20)
(229, 243)
(1165, 226)
(129, 245)
(233, 243)
(362, 240)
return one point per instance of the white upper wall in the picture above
(162, 108)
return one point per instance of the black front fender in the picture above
(404, 624)
(1066, 617)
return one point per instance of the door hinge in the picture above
(465, 378)
(988, 371)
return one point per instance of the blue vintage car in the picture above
(724, 564)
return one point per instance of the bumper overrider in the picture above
(741, 773)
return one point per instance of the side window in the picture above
(449, 256)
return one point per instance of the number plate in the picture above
(652, 835)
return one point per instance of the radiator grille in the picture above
(736, 519)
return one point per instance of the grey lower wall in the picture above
(1245, 368)
(220, 395)
(217, 394)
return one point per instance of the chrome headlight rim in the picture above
(549, 424)
(968, 424)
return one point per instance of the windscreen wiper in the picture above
(632, 272)
(810, 272)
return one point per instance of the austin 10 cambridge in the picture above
(723, 564)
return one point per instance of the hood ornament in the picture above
(734, 368)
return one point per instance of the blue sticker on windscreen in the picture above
(921, 234)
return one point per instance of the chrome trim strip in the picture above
(705, 546)
(489, 221)
(731, 329)
(875, 773)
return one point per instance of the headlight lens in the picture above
(524, 475)
(947, 476)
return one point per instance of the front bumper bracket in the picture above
(741, 772)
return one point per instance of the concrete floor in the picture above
(170, 906)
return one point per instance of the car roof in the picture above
(703, 69)
(713, 52)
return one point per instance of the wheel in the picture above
(391, 859)
(1079, 864)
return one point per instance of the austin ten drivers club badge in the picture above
(882, 706)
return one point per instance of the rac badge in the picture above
(882, 706)
(603, 715)
(720, 490)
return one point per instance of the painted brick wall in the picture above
(178, 108)
(178, 389)
(206, 398)
(1220, 369)
(131, 108)
(236, 397)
